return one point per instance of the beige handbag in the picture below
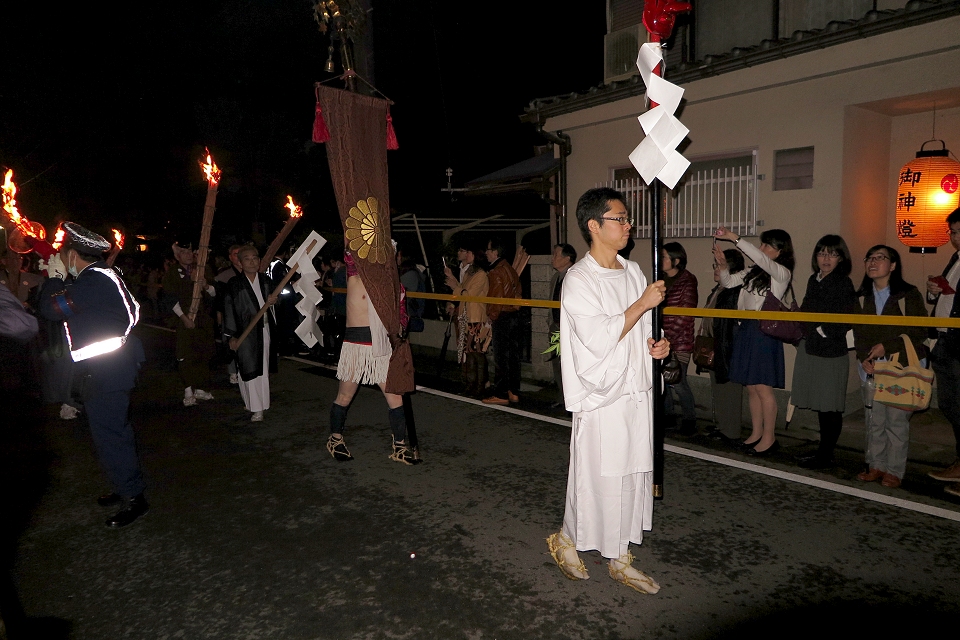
(904, 387)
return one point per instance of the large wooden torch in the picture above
(212, 173)
(295, 214)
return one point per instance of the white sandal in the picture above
(640, 582)
(559, 543)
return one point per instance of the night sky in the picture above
(104, 112)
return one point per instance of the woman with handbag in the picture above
(884, 293)
(719, 333)
(681, 292)
(822, 366)
(757, 360)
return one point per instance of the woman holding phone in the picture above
(757, 361)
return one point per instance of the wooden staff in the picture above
(212, 172)
(295, 214)
(276, 292)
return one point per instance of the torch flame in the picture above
(295, 210)
(118, 238)
(210, 169)
(58, 239)
(10, 205)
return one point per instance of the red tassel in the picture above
(392, 144)
(320, 132)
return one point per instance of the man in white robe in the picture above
(607, 351)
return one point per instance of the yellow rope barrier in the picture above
(843, 318)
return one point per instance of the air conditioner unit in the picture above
(620, 50)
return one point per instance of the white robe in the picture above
(256, 392)
(607, 387)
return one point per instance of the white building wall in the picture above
(847, 101)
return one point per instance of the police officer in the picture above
(99, 313)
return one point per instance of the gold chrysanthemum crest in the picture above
(365, 232)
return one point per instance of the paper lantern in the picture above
(928, 191)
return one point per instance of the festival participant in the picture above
(607, 352)
(195, 338)
(365, 359)
(220, 282)
(21, 283)
(99, 313)
(244, 297)
(15, 322)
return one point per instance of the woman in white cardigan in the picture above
(757, 360)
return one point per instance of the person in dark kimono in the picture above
(246, 294)
(196, 343)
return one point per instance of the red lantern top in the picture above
(659, 16)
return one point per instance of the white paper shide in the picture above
(657, 156)
(302, 261)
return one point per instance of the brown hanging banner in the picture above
(357, 157)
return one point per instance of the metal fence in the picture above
(703, 201)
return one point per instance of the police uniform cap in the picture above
(84, 241)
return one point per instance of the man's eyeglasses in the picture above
(878, 258)
(623, 220)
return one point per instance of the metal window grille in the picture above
(704, 200)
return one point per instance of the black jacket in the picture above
(951, 339)
(239, 306)
(834, 294)
(724, 330)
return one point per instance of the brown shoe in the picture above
(953, 489)
(512, 397)
(495, 400)
(950, 474)
(890, 480)
(870, 476)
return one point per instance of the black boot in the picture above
(688, 427)
(831, 423)
(133, 509)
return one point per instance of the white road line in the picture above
(938, 512)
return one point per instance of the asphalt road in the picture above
(256, 532)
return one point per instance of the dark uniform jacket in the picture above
(99, 312)
(239, 306)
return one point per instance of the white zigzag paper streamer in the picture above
(308, 330)
(657, 156)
